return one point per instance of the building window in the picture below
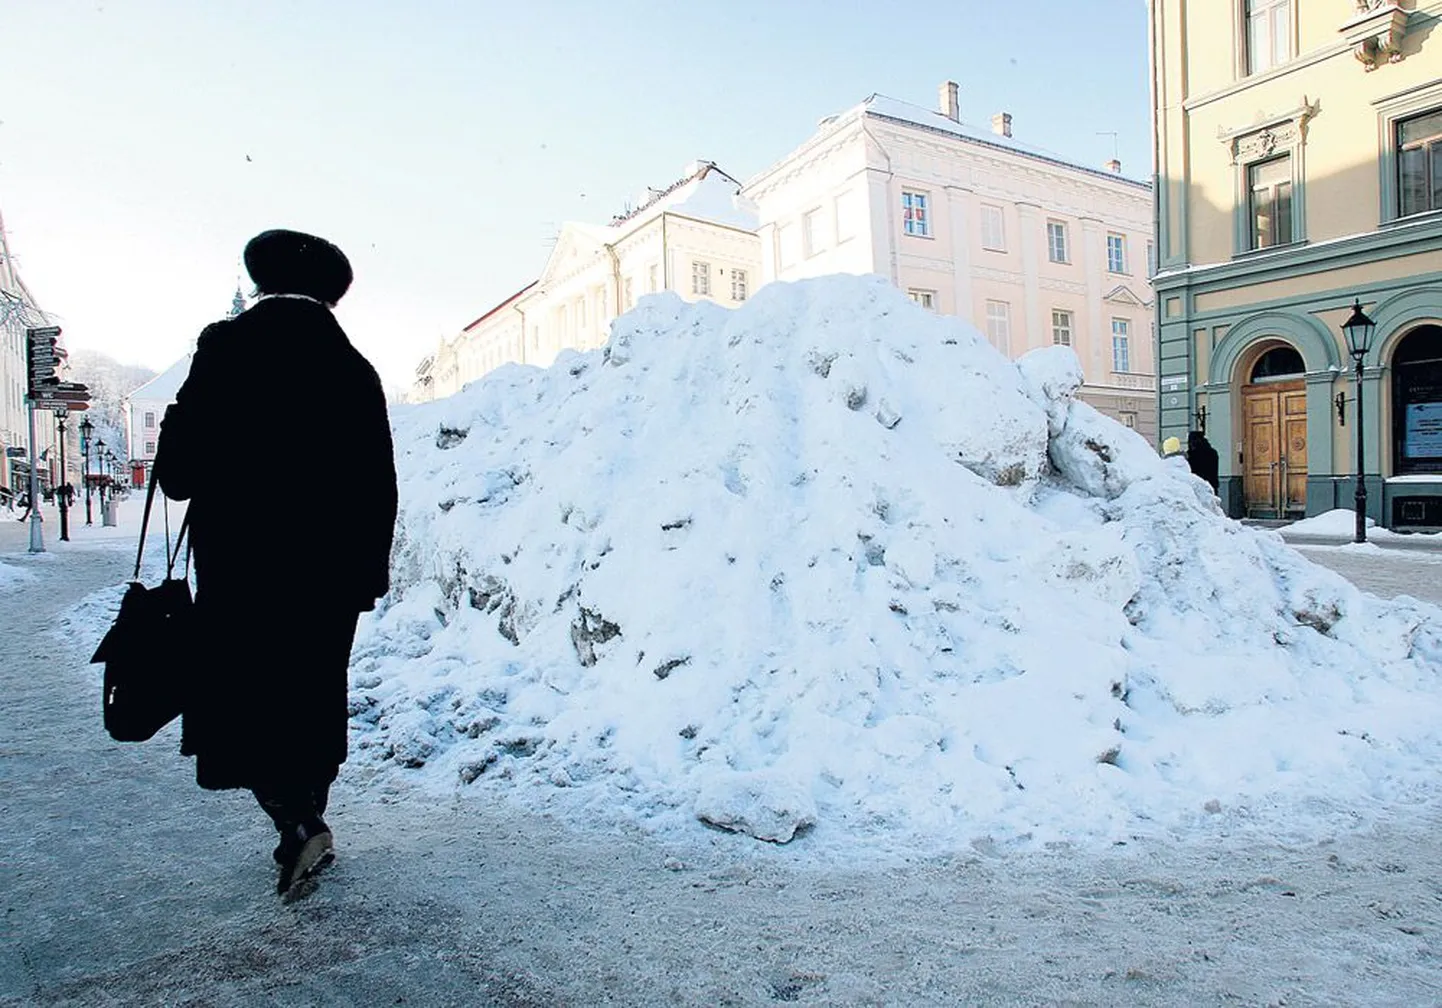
(1417, 402)
(1130, 419)
(1151, 259)
(1269, 187)
(811, 232)
(915, 218)
(846, 217)
(1419, 163)
(993, 228)
(998, 325)
(738, 285)
(580, 313)
(629, 294)
(1269, 34)
(701, 278)
(1056, 241)
(1116, 253)
(925, 298)
(150, 449)
(1121, 348)
(1061, 327)
(150, 419)
(651, 278)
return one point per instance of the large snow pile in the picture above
(831, 565)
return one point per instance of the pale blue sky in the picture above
(441, 144)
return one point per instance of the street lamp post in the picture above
(86, 430)
(60, 417)
(1359, 329)
(100, 465)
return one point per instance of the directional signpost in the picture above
(45, 391)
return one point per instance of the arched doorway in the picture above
(1274, 433)
(1417, 403)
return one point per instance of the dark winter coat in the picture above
(1202, 458)
(280, 440)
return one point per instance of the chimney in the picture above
(1001, 124)
(950, 101)
(1114, 166)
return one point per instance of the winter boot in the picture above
(304, 850)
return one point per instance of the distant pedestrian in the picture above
(1202, 457)
(276, 601)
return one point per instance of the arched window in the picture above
(1277, 363)
(1417, 402)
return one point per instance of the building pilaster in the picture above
(1097, 363)
(1029, 216)
(959, 201)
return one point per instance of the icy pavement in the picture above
(123, 884)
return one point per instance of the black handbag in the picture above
(148, 646)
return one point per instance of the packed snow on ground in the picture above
(12, 576)
(1343, 522)
(1337, 522)
(829, 567)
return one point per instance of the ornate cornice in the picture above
(1376, 33)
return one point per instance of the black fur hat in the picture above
(289, 262)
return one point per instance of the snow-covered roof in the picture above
(895, 110)
(162, 387)
(707, 193)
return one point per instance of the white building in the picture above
(18, 312)
(696, 238)
(973, 222)
(144, 409)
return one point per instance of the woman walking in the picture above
(279, 588)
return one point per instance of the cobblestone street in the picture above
(1383, 571)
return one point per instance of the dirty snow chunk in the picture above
(762, 805)
(1051, 376)
(1099, 455)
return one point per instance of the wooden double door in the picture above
(1274, 449)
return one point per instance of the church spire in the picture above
(237, 303)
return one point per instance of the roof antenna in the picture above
(1116, 147)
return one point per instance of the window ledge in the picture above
(1424, 217)
(1260, 253)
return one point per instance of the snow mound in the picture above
(829, 566)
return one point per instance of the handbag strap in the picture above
(144, 524)
(171, 559)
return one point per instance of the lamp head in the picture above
(1358, 329)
